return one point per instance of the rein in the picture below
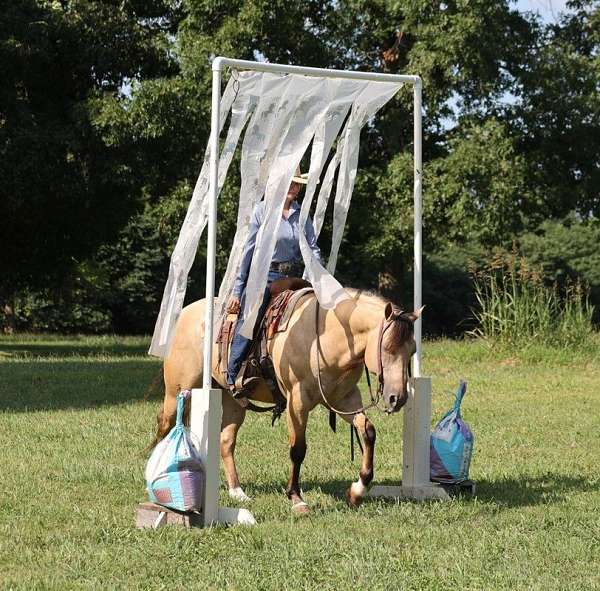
(385, 324)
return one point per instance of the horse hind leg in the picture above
(182, 374)
(165, 419)
(233, 417)
(182, 370)
(357, 490)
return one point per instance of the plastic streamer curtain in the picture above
(282, 114)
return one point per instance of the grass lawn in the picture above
(74, 425)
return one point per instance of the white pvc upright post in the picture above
(417, 411)
(212, 227)
(418, 225)
(206, 407)
(205, 416)
(416, 482)
(206, 427)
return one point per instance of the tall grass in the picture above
(517, 308)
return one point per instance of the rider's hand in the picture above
(234, 305)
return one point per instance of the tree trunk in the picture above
(9, 321)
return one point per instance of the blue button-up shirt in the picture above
(287, 246)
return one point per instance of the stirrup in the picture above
(242, 401)
(243, 388)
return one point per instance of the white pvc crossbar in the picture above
(219, 63)
(224, 62)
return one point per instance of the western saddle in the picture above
(258, 366)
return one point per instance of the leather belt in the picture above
(289, 268)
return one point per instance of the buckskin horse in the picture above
(318, 359)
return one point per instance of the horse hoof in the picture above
(300, 508)
(353, 500)
(238, 494)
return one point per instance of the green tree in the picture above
(110, 153)
(557, 116)
(566, 251)
(460, 50)
(65, 190)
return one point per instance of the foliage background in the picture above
(104, 116)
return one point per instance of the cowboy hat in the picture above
(300, 177)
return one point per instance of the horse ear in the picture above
(416, 314)
(389, 311)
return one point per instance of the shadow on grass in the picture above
(520, 491)
(524, 490)
(74, 384)
(27, 350)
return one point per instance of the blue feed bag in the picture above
(175, 472)
(451, 445)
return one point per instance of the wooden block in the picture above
(422, 492)
(430, 490)
(150, 515)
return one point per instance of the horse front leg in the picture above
(358, 489)
(297, 418)
(366, 431)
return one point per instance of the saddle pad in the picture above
(291, 306)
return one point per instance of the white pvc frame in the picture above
(206, 402)
(218, 65)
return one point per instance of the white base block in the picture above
(205, 423)
(421, 492)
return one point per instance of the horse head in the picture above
(395, 347)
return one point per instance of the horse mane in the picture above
(400, 330)
(371, 294)
(398, 333)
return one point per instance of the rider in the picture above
(286, 262)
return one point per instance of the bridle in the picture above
(383, 327)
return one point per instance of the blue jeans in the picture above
(240, 346)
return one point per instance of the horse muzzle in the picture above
(395, 402)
